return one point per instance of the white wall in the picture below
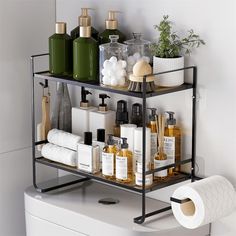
(215, 21)
(25, 26)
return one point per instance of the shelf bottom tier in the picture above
(177, 178)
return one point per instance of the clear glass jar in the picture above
(138, 49)
(113, 63)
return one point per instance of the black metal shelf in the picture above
(45, 75)
(180, 177)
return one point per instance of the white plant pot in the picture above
(166, 64)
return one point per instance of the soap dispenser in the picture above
(111, 29)
(172, 142)
(152, 124)
(80, 116)
(137, 115)
(102, 118)
(124, 163)
(84, 19)
(108, 158)
(122, 116)
(60, 51)
(85, 56)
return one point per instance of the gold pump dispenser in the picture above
(84, 18)
(111, 22)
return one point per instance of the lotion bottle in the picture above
(102, 118)
(108, 158)
(111, 29)
(172, 142)
(84, 20)
(80, 116)
(60, 51)
(85, 56)
(124, 163)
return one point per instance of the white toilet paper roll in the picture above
(211, 199)
(127, 131)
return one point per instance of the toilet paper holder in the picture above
(180, 201)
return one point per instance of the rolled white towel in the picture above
(59, 154)
(63, 139)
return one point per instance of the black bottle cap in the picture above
(103, 105)
(152, 116)
(122, 115)
(137, 117)
(171, 120)
(101, 135)
(110, 140)
(124, 144)
(88, 138)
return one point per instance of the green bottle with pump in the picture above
(84, 20)
(172, 142)
(60, 51)
(85, 57)
(111, 29)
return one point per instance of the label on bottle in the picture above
(139, 179)
(158, 164)
(153, 145)
(169, 149)
(138, 155)
(140, 167)
(108, 164)
(121, 168)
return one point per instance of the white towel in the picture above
(63, 139)
(59, 154)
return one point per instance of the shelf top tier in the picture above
(123, 91)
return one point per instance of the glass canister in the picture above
(138, 49)
(113, 63)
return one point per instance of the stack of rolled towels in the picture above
(62, 147)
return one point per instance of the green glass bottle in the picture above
(60, 51)
(85, 57)
(84, 20)
(111, 29)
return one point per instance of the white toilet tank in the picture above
(76, 212)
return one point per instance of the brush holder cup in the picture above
(113, 63)
(138, 49)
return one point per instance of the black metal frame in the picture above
(83, 176)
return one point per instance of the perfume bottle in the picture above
(124, 163)
(108, 158)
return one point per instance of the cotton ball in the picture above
(106, 80)
(114, 81)
(131, 60)
(117, 66)
(107, 64)
(123, 64)
(113, 60)
(122, 81)
(104, 72)
(147, 59)
(137, 56)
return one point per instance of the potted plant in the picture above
(168, 53)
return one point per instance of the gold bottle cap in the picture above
(111, 22)
(60, 28)
(85, 31)
(84, 18)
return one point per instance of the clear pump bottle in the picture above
(124, 163)
(172, 142)
(108, 158)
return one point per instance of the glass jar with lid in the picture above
(138, 49)
(113, 63)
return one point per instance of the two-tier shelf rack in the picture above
(84, 176)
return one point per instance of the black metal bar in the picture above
(40, 142)
(40, 55)
(180, 201)
(169, 166)
(139, 218)
(194, 122)
(44, 190)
